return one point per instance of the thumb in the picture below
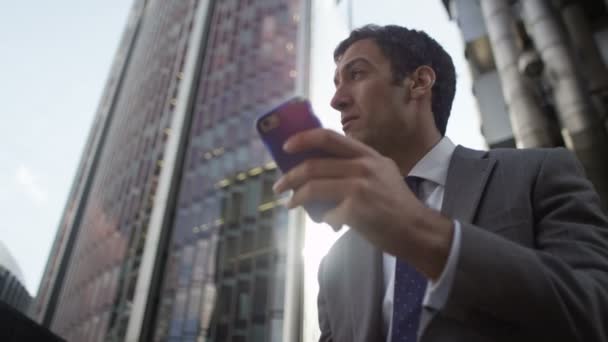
(335, 217)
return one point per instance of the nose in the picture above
(341, 100)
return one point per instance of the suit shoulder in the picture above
(330, 263)
(527, 155)
(339, 253)
(511, 153)
(341, 244)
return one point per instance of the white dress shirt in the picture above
(433, 169)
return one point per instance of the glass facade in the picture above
(225, 270)
(52, 280)
(98, 289)
(223, 253)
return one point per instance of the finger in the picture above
(320, 168)
(324, 190)
(337, 216)
(328, 141)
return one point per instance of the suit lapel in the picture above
(468, 174)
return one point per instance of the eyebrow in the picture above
(349, 65)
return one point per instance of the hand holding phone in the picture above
(277, 126)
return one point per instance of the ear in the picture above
(422, 80)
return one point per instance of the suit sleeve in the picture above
(322, 308)
(555, 291)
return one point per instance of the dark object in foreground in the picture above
(15, 326)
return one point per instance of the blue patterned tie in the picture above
(410, 286)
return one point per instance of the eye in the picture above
(356, 74)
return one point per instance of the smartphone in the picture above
(280, 123)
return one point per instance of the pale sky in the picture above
(55, 59)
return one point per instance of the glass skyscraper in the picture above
(171, 231)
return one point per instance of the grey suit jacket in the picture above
(533, 262)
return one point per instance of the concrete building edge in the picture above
(294, 266)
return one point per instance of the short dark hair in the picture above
(406, 50)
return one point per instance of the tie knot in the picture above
(414, 183)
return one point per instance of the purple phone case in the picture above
(294, 116)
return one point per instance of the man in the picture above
(505, 245)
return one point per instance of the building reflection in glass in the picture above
(97, 292)
(225, 268)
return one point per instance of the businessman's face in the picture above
(374, 108)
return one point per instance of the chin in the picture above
(359, 137)
(353, 135)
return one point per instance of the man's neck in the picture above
(407, 158)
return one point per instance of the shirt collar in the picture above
(434, 165)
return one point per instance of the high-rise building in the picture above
(12, 286)
(44, 306)
(540, 75)
(171, 231)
